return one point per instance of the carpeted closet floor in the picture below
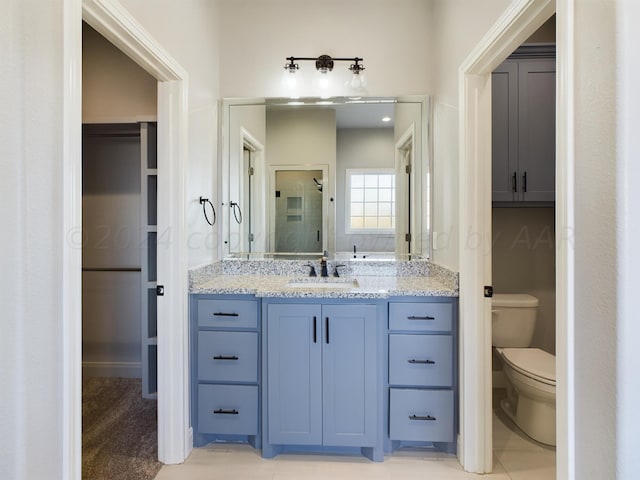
(119, 431)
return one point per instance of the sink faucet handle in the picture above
(335, 271)
(323, 267)
(312, 272)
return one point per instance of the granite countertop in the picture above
(368, 286)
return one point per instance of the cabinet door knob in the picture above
(514, 182)
(524, 182)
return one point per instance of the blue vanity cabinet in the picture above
(422, 372)
(225, 352)
(323, 384)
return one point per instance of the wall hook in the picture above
(203, 202)
(237, 213)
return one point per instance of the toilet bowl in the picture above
(531, 392)
(530, 372)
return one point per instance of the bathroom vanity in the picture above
(363, 364)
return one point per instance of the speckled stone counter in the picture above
(374, 280)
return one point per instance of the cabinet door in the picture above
(504, 132)
(536, 118)
(349, 373)
(294, 374)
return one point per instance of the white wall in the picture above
(459, 26)
(189, 32)
(31, 159)
(628, 199)
(596, 229)
(258, 35)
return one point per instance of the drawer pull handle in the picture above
(225, 357)
(418, 417)
(422, 362)
(223, 314)
(417, 317)
(226, 412)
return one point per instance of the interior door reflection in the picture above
(298, 215)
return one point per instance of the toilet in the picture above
(530, 372)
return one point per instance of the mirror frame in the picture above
(422, 177)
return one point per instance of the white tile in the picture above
(529, 465)
(507, 436)
(515, 458)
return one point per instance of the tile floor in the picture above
(515, 458)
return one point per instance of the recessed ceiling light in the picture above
(386, 119)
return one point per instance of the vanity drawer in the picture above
(421, 360)
(421, 317)
(228, 356)
(228, 313)
(228, 409)
(421, 415)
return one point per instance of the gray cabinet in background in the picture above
(523, 127)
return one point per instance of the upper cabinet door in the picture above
(504, 132)
(536, 138)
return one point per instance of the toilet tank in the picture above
(513, 319)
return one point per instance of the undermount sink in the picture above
(312, 282)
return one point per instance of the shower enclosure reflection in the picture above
(298, 220)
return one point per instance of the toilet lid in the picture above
(514, 300)
(532, 362)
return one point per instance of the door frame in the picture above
(518, 22)
(406, 143)
(115, 23)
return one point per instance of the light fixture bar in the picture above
(324, 63)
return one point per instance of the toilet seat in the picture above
(532, 363)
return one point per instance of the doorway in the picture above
(523, 104)
(119, 218)
(517, 23)
(124, 32)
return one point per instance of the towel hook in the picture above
(203, 202)
(236, 211)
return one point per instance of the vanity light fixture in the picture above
(324, 65)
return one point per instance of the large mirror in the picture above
(348, 176)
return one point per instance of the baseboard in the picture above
(499, 379)
(112, 369)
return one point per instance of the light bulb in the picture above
(323, 83)
(358, 81)
(289, 79)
